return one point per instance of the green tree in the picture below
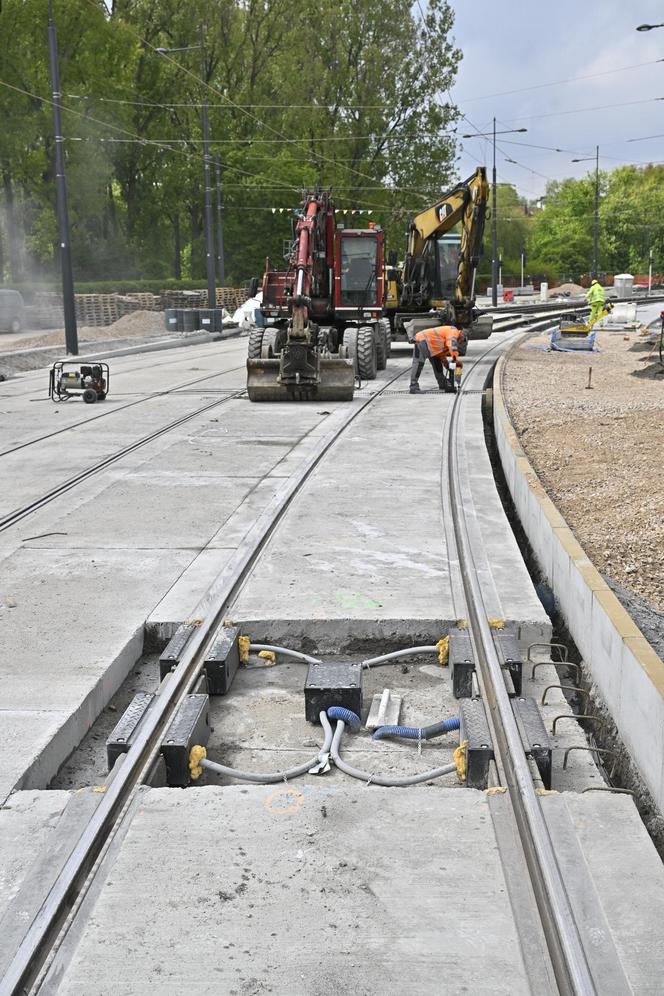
(342, 94)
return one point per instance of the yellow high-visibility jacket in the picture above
(595, 294)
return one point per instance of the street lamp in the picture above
(209, 240)
(649, 27)
(494, 206)
(586, 159)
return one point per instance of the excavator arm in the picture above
(464, 204)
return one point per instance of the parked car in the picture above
(12, 311)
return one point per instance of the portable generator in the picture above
(70, 379)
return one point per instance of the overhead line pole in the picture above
(220, 227)
(64, 247)
(209, 237)
(596, 219)
(494, 226)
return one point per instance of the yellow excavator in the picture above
(436, 282)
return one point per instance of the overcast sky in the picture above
(517, 44)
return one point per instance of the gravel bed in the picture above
(599, 452)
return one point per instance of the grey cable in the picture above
(277, 776)
(365, 776)
(285, 652)
(395, 655)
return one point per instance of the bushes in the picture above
(155, 286)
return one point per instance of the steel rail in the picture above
(566, 950)
(11, 518)
(168, 360)
(20, 513)
(114, 411)
(572, 305)
(63, 894)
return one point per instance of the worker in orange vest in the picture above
(441, 347)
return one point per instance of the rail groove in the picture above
(24, 510)
(567, 954)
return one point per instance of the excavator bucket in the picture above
(336, 382)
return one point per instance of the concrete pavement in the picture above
(361, 555)
(287, 890)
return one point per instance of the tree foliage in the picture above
(513, 224)
(341, 93)
(631, 223)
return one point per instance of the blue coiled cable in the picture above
(350, 718)
(418, 732)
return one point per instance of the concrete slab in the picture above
(28, 740)
(278, 868)
(363, 553)
(74, 632)
(158, 510)
(27, 821)
(292, 890)
(628, 877)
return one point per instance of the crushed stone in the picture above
(573, 289)
(599, 452)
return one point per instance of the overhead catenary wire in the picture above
(585, 110)
(138, 138)
(570, 79)
(244, 110)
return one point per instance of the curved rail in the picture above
(137, 762)
(566, 951)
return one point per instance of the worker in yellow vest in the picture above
(441, 347)
(595, 298)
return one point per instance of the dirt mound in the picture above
(136, 324)
(573, 289)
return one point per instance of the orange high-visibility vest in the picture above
(441, 340)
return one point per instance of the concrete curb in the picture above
(628, 673)
(22, 360)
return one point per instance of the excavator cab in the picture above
(358, 273)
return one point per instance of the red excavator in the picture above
(323, 315)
